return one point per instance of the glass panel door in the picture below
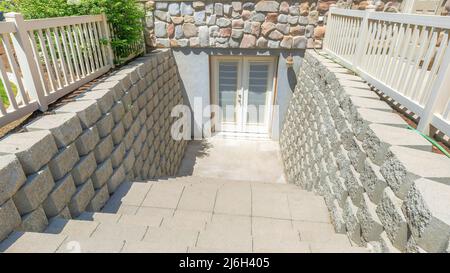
(228, 86)
(243, 91)
(258, 74)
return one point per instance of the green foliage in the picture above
(4, 96)
(125, 16)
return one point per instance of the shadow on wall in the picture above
(195, 149)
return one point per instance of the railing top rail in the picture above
(60, 21)
(348, 12)
(7, 27)
(413, 19)
(402, 18)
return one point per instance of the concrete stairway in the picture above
(194, 214)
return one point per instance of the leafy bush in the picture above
(125, 16)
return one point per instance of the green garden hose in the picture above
(432, 141)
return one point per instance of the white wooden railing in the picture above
(49, 58)
(405, 56)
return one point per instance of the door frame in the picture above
(243, 79)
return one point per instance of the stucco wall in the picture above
(194, 67)
(381, 182)
(72, 159)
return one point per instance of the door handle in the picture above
(239, 98)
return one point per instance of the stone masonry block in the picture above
(118, 154)
(81, 198)
(373, 181)
(102, 174)
(65, 128)
(351, 222)
(337, 219)
(12, 177)
(33, 149)
(371, 225)
(87, 111)
(129, 160)
(60, 196)
(105, 125)
(87, 141)
(118, 133)
(118, 111)
(103, 149)
(100, 198)
(381, 137)
(104, 99)
(112, 86)
(364, 117)
(84, 169)
(403, 167)
(34, 191)
(35, 221)
(116, 179)
(63, 162)
(352, 180)
(426, 210)
(10, 218)
(390, 213)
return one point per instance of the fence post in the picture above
(106, 32)
(26, 60)
(440, 91)
(362, 37)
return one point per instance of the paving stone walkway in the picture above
(193, 213)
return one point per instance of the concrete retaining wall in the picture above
(73, 159)
(381, 182)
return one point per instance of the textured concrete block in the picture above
(34, 191)
(129, 160)
(365, 117)
(118, 111)
(403, 167)
(371, 225)
(390, 213)
(10, 218)
(63, 162)
(116, 179)
(104, 98)
(81, 198)
(102, 174)
(100, 198)
(105, 125)
(65, 128)
(373, 181)
(84, 169)
(35, 221)
(87, 141)
(337, 219)
(33, 149)
(12, 177)
(351, 222)
(112, 86)
(103, 149)
(87, 111)
(117, 155)
(381, 137)
(118, 133)
(60, 196)
(426, 209)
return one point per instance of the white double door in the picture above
(243, 89)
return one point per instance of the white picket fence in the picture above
(405, 56)
(48, 58)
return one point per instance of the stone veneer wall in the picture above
(381, 182)
(238, 24)
(73, 159)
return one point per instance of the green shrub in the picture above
(125, 16)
